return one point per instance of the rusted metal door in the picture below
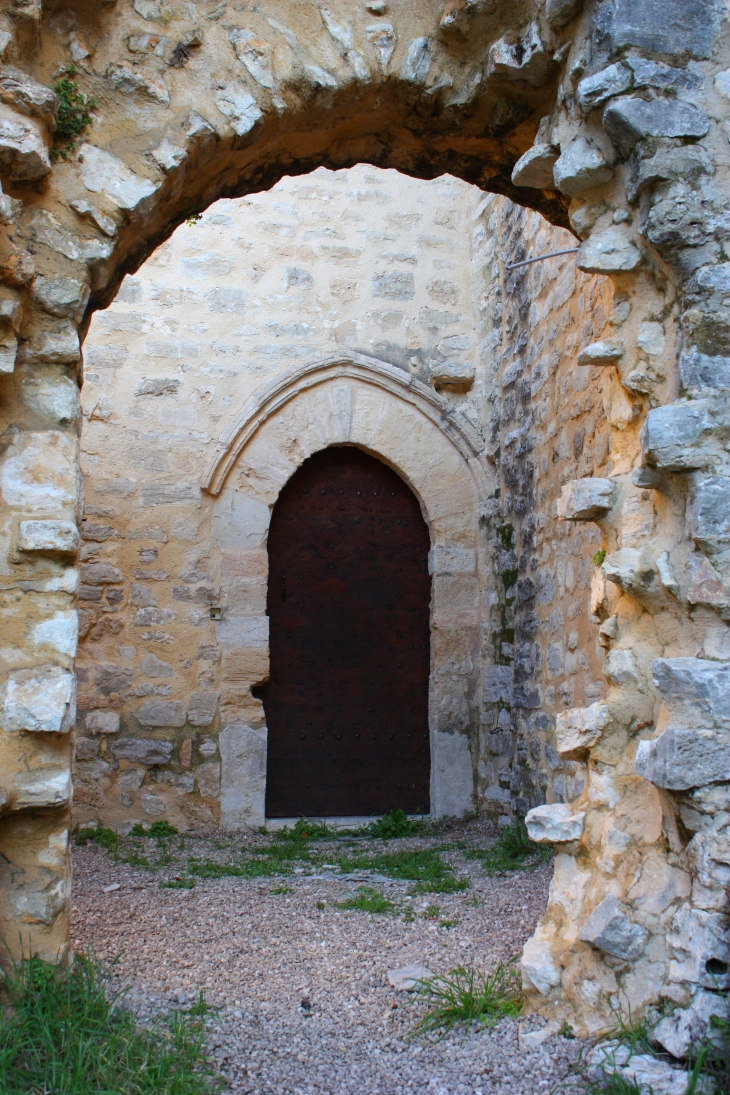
(349, 591)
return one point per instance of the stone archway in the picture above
(626, 111)
(351, 399)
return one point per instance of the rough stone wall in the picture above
(544, 419)
(626, 105)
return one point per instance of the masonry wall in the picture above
(407, 272)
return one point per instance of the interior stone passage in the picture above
(348, 604)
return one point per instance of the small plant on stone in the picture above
(369, 900)
(598, 558)
(467, 996)
(74, 114)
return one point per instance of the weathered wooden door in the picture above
(349, 590)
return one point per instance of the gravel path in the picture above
(305, 1007)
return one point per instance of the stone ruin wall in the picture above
(381, 265)
(613, 113)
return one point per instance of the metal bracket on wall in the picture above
(540, 258)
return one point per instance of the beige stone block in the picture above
(38, 473)
(242, 668)
(244, 564)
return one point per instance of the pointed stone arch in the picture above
(350, 399)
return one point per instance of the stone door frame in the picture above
(352, 399)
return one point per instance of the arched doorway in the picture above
(348, 602)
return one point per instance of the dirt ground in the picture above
(302, 1003)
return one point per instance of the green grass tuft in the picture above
(368, 900)
(178, 884)
(105, 838)
(424, 867)
(64, 1033)
(305, 831)
(393, 825)
(512, 851)
(466, 996)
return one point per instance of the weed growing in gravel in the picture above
(431, 912)
(275, 890)
(512, 851)
(64, 1032)
(305, 831)
(158, 830)
(393, 825)
(105, 838)
(465, 995)
(369, 900)
(448, 924)
(183, 883)
(425, 867)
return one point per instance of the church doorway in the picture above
(348, 600)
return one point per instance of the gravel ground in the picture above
(304, 1004)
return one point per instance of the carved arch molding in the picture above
(355, 400)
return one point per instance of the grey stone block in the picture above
(169, 494)
(594, 90)
(243, 776)
(161, 713)
(48, 537)
(202, 707)
(102, 722)
(697, 942)
(42, 699)
(209, 779)
(555, 824)
(99, 574)
(667, 164)
(697, 681)
(145, 751)
(535, 167)
(61, 296)
(586, 499)
(683, 757)
(709, 510)
(610, 929)
(609, 251)
(581, 166)
(498, 684)
(630, 120)
(393, 285)
(682, 28)
(675, 437)
(687, 1027)
(699, 371)
(159, 385)
(560, 12)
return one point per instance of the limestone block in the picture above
(586, 499)
(452, 374)
(561, 12)
(535, 167)
(142, 80)
(672, 437)
(35, 903)
(595, 90)
(61, 296)
(684, 757)
(699, 371)
(706, 587)
(239, 106)
(8, 352)
(444, 559)
(202, 707)
(630, 120)
(59, 631)
(41, 699)
(160, 713)
(578, 729)
(42, 787)
(498, 684)
(102, 722)
(45, 228)
(209, 780)
(383, 39)
(620, 667)
(539, 968)
(417, 61)
(87, 209)
(48, 537)
(154, 805)
(610, 251)
(99, 574)
(51, 348)
(24, 152)
(580, 167)
(154, 667)
(168, 156)
(243, 632)
(709, 511)
(687, 1027)
(243, 776)
(611, 1065)
(686, 162)
(525, 60)
(452, 775)
(147, 751)
(604, 352)
(19, 90)
(697, 943)
(702, 684)
(610, 929)
(409, 978)
(240, 521)
(104, 173)
(554, 824)
(630, 571)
